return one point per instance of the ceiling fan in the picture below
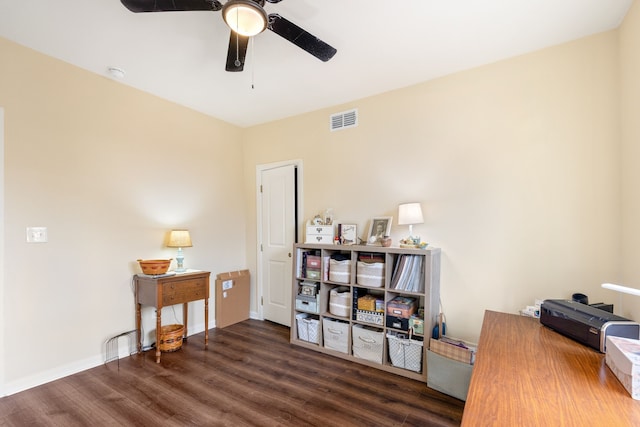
(245, 18)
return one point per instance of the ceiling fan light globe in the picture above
(245, 17)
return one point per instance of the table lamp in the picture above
(409, 214)
(179, 239)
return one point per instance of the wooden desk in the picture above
(528, 375)
(164, 291)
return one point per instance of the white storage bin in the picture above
(370, 274)
(340, 271)
(340, 302)
(405, 353)
(307, 303)
(307, 328)
(336, 335)
(368, 343)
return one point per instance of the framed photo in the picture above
(348, 234)
(378, 228)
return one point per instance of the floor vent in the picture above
(344, 120)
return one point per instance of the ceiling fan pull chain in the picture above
(237, 61)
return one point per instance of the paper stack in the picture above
(623, 358)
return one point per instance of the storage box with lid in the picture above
(368, 343)
(313, 262)
(308, 328)
(312, 273)
(405, 352)
(340, 270)
(308, 288)
(336, 335)
(402, 307)
(370, 274)
(394, 322)
(373, 317)
(307, 303)
(319, 234)
(340, 301)
(623, 358)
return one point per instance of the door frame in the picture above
(297, 163)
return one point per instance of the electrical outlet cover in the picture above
(36, 234)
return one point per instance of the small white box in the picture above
(319, 234)
(623, 358)
(336, 335)
(368, 343)
(307, 328)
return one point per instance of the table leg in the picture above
(138, 327)
(185, 318)
(158, 332)
(206, 322)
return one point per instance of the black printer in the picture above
(586, 324)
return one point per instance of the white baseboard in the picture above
(49, 375)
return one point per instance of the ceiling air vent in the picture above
(344, 120)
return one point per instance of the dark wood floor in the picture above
(249, 376)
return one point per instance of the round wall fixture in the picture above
(115, 72)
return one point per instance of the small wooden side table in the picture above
(159, 292)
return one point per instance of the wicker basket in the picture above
(154, 266)
(171, 338)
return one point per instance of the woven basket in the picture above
(171, 338)
(154, 266)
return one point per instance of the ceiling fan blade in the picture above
(170, 5)
(237, 52)
(300, 37)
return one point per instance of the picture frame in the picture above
(378, 228)
(348, 234)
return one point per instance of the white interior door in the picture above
(278, 202)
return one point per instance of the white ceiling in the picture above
(382, 45)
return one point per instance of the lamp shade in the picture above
(245, 17)
(179, 239)
(410, 213)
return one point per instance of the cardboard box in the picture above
(402, 307)
(623, 358)
(367, 302)
(452, 351)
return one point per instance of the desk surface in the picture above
(528, 375)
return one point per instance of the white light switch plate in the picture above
(36, 234)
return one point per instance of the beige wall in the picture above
(516, 165)
(630, 155)
(109, 170)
